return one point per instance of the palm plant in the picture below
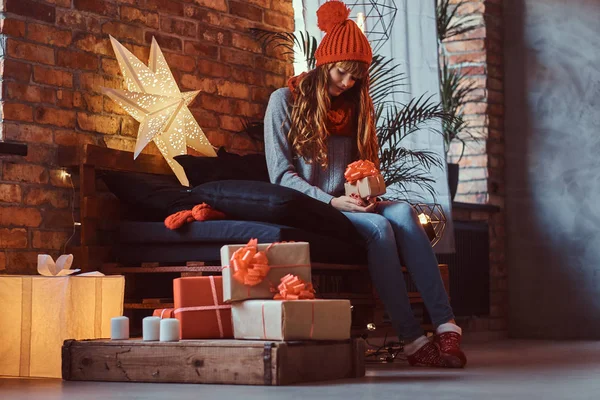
(401, 167)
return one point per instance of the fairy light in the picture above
(424, 219)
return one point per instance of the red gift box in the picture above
(200, 309)
(163, 313)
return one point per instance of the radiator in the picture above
(469, 269)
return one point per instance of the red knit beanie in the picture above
(344, 41)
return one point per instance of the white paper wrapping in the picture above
(39, 313)
(296, 256)
(291, 319)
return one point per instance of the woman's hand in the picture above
(351, 204)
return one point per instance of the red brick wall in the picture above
(58, 55)
(480, 54)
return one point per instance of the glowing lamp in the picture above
(154, 100)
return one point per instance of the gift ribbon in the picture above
(164, 310)
(98, 308)
(294, 288)
(360, 169)
(217, 307)
(26, 312)
(249, 265)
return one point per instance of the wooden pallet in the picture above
(240, 362)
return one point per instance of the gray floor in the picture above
(506, 369)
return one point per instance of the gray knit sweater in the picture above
(289, 170)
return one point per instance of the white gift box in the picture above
(39, 313)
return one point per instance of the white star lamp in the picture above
(154, 100)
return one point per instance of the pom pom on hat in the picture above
(331, 13)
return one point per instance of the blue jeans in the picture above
(394, 237)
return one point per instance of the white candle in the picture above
(119, 328)
(151, 328)
(169, 330)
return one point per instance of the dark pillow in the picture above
(226, 166)
(149, 197)
(266, 202)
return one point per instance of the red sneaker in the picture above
(429, 355)
(449, 344)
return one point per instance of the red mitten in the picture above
(204, 212)
(177, 220)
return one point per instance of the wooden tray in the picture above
(240, 362)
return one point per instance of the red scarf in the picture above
(341, 119)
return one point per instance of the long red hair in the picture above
(308, 133)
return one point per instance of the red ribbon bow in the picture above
(360, 169)
(249, 265)
(294, 288)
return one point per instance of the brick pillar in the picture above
(480, 54)
(57, 55)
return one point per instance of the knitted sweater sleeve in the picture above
(278, 151)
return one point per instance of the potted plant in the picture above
(455, 88)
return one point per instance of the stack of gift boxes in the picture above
(264, 293)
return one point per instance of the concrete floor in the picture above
(506, 369)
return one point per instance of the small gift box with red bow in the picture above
(364, 180)
(254, 271)
(200, 309)
(291, 319)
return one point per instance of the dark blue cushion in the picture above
(226, 166)
(148, 197)
(154, 197)
(266, 202)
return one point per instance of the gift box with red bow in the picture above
(291, 319)
(199, 307)
(363, 180)
(254, 271)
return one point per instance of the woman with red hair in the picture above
(314, 128)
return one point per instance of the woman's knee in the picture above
(375, 227)
(401, 211)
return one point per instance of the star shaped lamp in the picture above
(154, 100)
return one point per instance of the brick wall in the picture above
(480, 54)
(55, 57)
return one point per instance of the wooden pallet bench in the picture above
(100, 212)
